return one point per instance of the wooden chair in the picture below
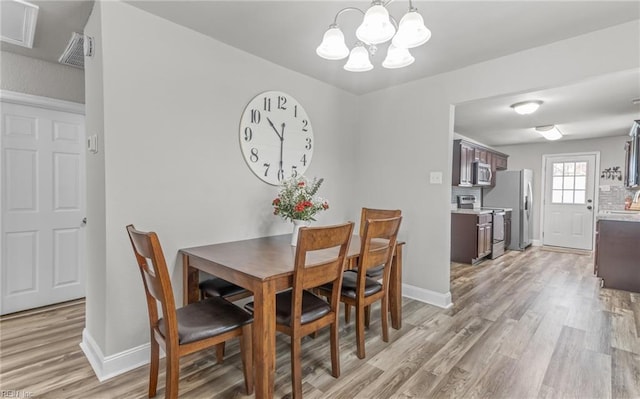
(299, 312)
(189, 329)
(378, 246)
(219, 287)
(375, 271)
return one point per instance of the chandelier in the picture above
(377, 27)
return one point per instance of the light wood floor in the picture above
(526, 325)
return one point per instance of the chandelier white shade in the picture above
(526, 107)
(358, 60)
(377, 27)
(411, 32)
(333, 46)
(397, 58)
(549, 132)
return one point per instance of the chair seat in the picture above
(373, 272)
(312, 307)
(349, 281)
(207, 318)
(219, 287)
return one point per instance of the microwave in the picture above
(481, 174)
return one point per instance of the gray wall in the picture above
(170, 159)
(41, 78)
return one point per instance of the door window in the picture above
(569, 183)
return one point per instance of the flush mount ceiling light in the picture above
(526, 107)
(377, 27)
(549, 132)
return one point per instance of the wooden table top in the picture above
(263, 258)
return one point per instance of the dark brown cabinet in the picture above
(465, 154)
(471, 237)
(463, 157)
(617, 254)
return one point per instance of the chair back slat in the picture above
(370, 213)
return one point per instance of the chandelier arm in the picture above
(335, 20)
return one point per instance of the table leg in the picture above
(190, 277)
(264, 340)
(395, 289)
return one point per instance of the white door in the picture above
(43, 206)
(569, 201)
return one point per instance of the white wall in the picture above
(41, 78)
(529, 156)
(171, 157)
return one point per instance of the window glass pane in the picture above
(581, 182)
(557, 169)
(557, 182)
(567, 196)
(568, 182)
(556, 196)
(569, 168)
(581, 168)
(579, 196)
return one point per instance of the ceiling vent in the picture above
(73, 55)
(18, 24)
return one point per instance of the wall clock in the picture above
(276, 137)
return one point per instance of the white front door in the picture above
(43, 206)
(569, 201)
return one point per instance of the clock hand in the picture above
(274, 128)
(281, 149)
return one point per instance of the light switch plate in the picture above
(435, 178)
(92, 144)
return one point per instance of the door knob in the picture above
(589, 201)
(589, 207)
(84, 221)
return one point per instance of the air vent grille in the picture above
(73, 55)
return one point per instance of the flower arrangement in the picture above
(297, 199)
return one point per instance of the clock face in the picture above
(276, 137)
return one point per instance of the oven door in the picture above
(498, 227)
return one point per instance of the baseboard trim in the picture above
(427, 296)
(106, 367)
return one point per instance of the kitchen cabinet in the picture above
(471, 237)
(465, 154)
(617, 254)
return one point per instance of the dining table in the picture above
(265, 266)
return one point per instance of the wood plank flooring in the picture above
(531, 324)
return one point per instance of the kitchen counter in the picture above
(622, 216)
(472, 211)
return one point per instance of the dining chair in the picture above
(375, 271)
(358, 290)
(216, 286)
(319, 259)
(189, 329)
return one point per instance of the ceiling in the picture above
(464, 32)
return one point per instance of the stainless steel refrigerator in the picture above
(514, 189)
